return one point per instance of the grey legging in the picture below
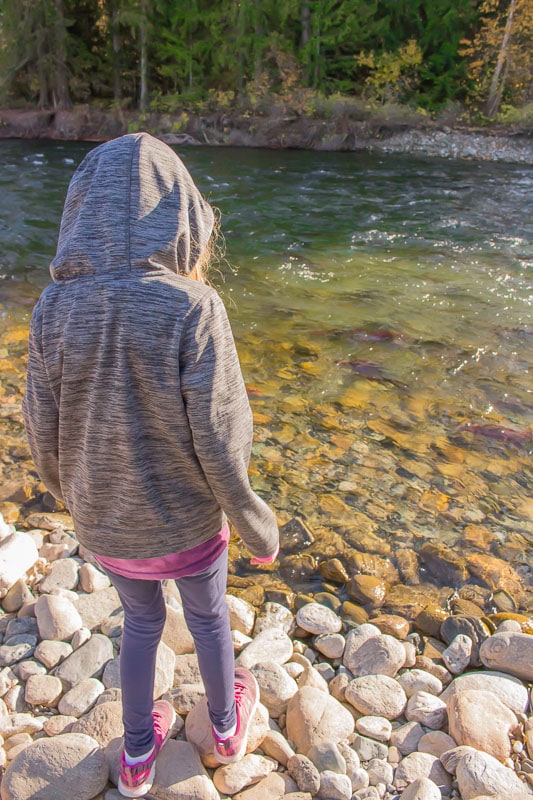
(207, 618)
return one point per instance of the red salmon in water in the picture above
(499, 434)
(368, 370)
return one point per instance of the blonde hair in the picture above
(212, 252)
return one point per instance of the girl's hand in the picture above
(268, 560)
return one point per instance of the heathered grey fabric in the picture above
(135, 406)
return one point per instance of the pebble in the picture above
(18, 553)
(43, 690)
(377, 695)
(510, 690)
(81, 698)
(418, 680)
(92, 579)
(457, 655)
(436, 743)
(330, 645)
(50, 653)
(231, 778)
(305, 773)
(379, 655)
(63, 574)
(57, 618)
(427, 709)
(241, 614)
(327, 756)
(378, 728)
(334, 786)
(318, 619)
(313, 716)
(275, 685)
(269, 645)
(88, 661)
(421, 765)
(421, 789)
(274, 615)
(510, 652)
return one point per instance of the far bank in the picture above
(382, 133)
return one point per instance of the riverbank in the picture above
(387, 134)
(351, 708)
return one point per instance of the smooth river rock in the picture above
(379, 655)
(86, 662)
(479, 773)
(269, 645)
(510, 652)
(317, 619)
(180, 774)
(18, 552)
(67, 766)
(314, 717)
(510, 690)
(481, 720)
(58, 619)
(377, 695)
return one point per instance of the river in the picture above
(382, 308)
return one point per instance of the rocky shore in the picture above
(340, 133)
(352, 707)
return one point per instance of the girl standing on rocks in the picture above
(138, 420)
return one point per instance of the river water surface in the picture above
(382, 308)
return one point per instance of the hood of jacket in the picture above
(131, 205)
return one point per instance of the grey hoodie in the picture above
(135, 406)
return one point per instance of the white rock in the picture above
(66, 766)
(274, 615)
(318, 619)
(509, 652)
(12, 724)
(57, 618)
(232, 778)
(241, 614)
(334, 786)
(314, 717)
(51, 652)
(457, 655)
(407, 737)
(377, 728)
(421, 789)
(330, 645)
(5, 529)
(379, 655)
(81, 698)
(354, 640)
(63, 575)
(480, 774)
(43, 690)
(436, 743)
(269, 645)
(275, 685)
(18, 553)
(240, 640)
(80, 637)
(7, 678)
(418, 680)
(379, 771)
(427, 709)
(180, 774)
(26, 668)
(420, 765)
(92, 579)
(510, 690)
(377, 695)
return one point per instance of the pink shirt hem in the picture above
(175, 565)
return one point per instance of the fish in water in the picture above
(369, 370)
(370, 335)
(500, 434)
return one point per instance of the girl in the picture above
(138, 420)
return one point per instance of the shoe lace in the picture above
(240, 690)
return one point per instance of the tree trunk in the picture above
(44, 93)
(61, 89)
(143, 35)
(117, 47)
(305, 38)
(497, 86)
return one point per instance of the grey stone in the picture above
(66, 766)
(367, 749)
(86, 662)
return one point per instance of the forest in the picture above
(471, 56)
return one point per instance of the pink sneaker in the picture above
(136, 780)
(246, 699)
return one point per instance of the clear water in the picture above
(382, 308)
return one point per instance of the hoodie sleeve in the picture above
(221, 422)
(40, 411)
